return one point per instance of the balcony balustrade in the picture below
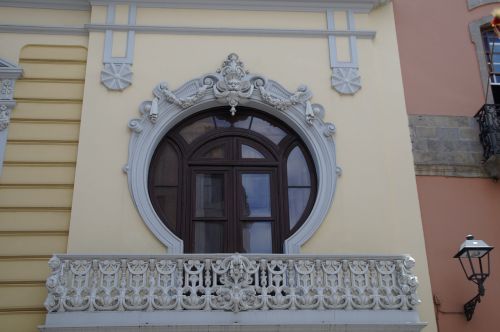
(489, 127)
(284, 291)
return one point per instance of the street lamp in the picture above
(471, 255)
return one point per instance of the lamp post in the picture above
(474, 256)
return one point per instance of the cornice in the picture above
(46, 30)
(48, 4)
(274, 5)
(9, 70)
(230, 31)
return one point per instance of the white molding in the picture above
(364, 6)
(44, 29)
(346, 78)
(273, 320)
(9, 73)
(48, 4)
(273, 5)
(84, 30)
(117, 72)
(367, 34)
(170, 107)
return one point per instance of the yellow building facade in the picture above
(91, 108)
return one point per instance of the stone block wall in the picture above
(446, 146)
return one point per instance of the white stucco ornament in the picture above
(234, 283)
(231, 85)
(116, 76)
(346, 80)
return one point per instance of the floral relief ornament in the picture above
(346, 80)
(4, 117)
(6, 90)
(116, 76)
(231, 85)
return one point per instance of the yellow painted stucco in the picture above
(375, 209)
(230, 18)
(27, 16)
(36, 185)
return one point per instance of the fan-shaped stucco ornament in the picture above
(116, 76)
(231, 85)
(346, 80)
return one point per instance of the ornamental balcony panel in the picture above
(489, 126)
(253, 292)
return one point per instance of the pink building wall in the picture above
(438, 60)
(441, 77)
(452, 208)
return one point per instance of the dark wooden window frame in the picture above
(190, 160)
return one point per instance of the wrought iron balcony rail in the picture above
(234, 283)
(489, 126)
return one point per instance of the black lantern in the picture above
(474, 256)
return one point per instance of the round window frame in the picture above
(147, 134)
(277, 153)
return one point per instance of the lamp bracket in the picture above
(470, 306)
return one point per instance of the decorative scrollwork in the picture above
(231, 85)
(230, 283)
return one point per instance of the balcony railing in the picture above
(489, 127)
(231, 283)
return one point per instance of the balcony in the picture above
(489, 126)
(227, 292)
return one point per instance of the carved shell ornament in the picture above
(231, 85)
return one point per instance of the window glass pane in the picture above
(196, 129)
(242, 122)
(221, 122)
(216, 152)
(166, 200)
(165, 170)
(249, 152)
(209, 195)
(496, 55)
(297, 169)
(297, 201)
(256, 195)
(265, 128)
(208, 237)
(257, 237)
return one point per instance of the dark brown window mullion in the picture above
(191, 211)
(282, 205)
(240, 219)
